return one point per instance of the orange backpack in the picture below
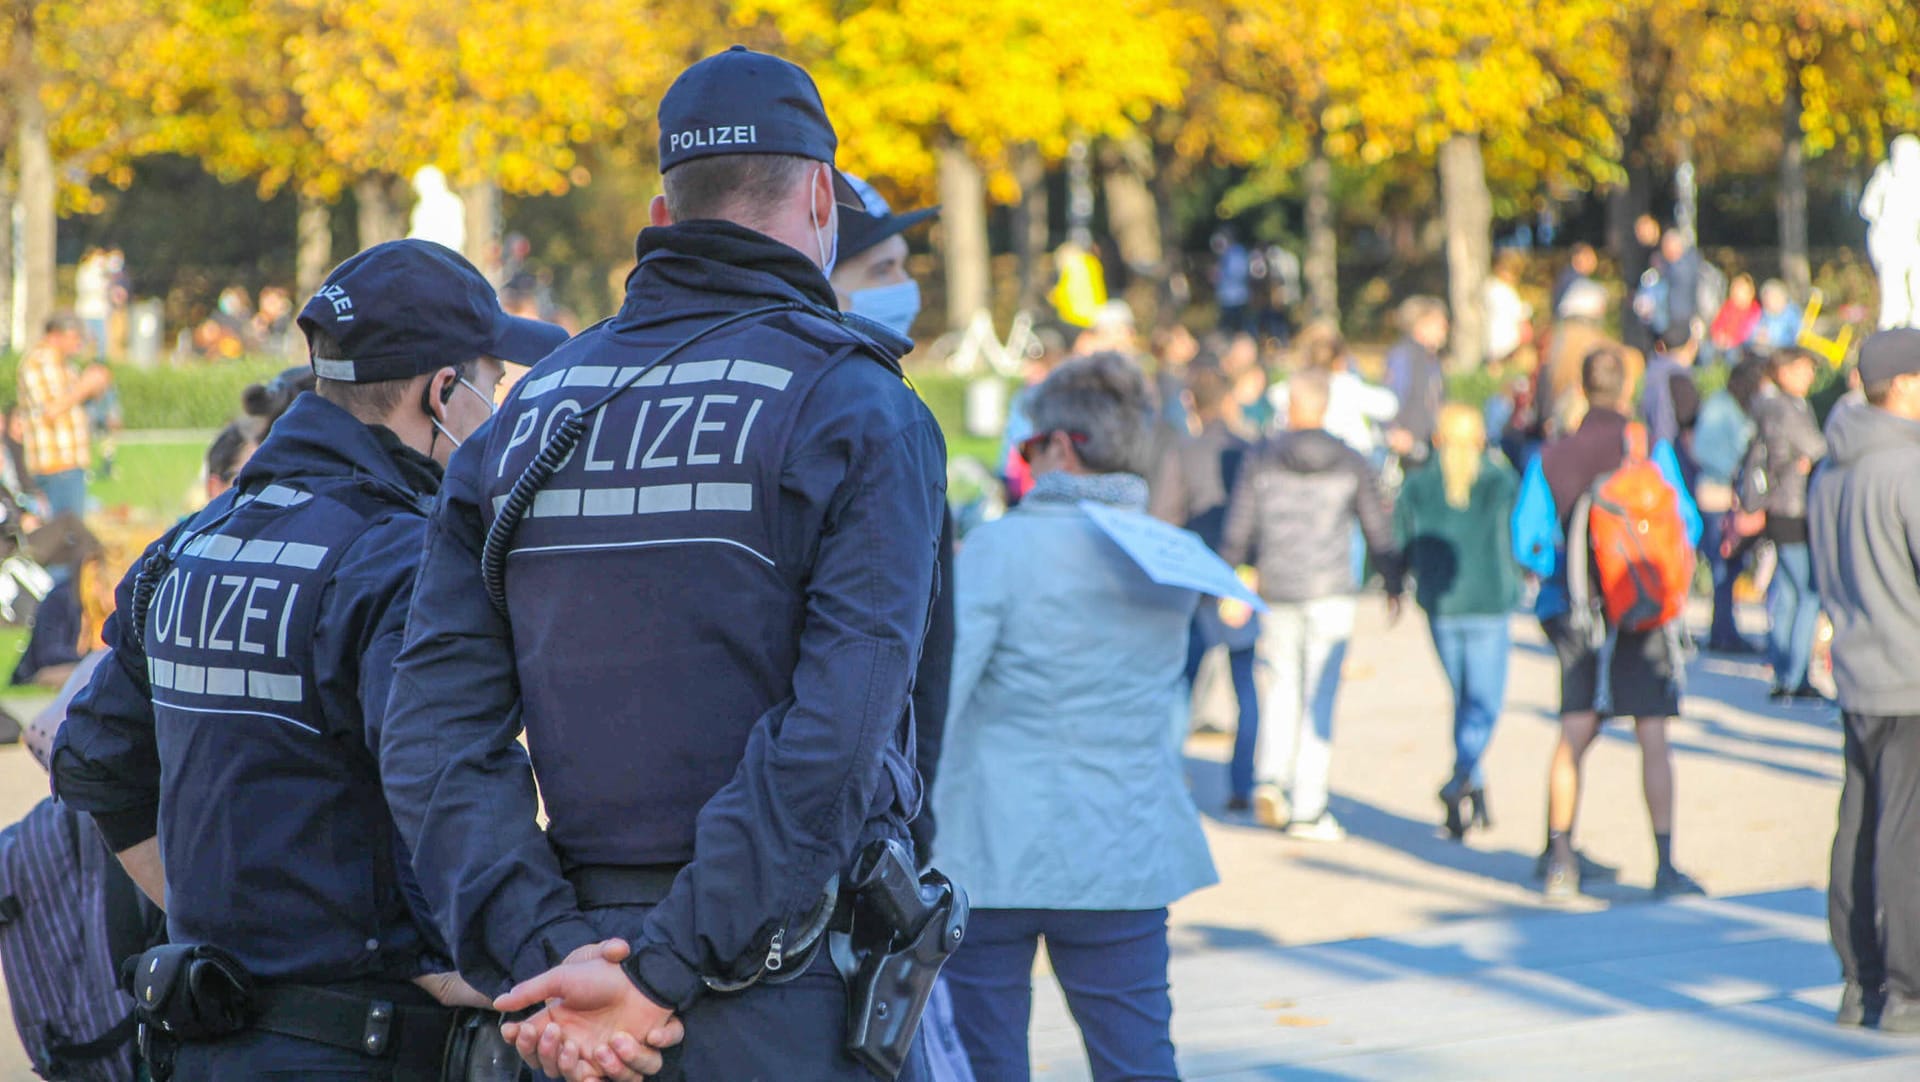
(1642, 562)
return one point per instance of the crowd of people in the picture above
(877, 766)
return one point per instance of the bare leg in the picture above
(1656, 771)
(1563, 781)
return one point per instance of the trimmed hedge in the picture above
(188, 396)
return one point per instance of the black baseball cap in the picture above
(874, 221)
(1888, 355)
(409, 307)
(743, 102)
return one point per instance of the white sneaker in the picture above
(1270, 807)
(1325, 828)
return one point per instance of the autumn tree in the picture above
(924, 90)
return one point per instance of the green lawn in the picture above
(153, 479)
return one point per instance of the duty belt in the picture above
(409, 1036)
(603, 886)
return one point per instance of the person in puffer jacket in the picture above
(1292, 516)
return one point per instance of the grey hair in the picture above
(1103, 397)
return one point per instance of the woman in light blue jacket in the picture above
(1061, 799)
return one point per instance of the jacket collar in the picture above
(727, 265)
(316, 439)
(709, 269)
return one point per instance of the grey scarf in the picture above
(1124, 490)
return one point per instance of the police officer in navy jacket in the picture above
(228, 746)
(707, 620)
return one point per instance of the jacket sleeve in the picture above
(1536, 525)
(1239, 539)
(775, 835)
(106, 761)
(979, 610)
(459, 784)
(1376, 404)
(1669, 464)
(932, 686)
(1376, 524)
(363, 625)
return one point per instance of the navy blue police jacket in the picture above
(716, 608)
(242, 724)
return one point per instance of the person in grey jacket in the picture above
(1292, 515)
(1787, 444)
(1865, 525)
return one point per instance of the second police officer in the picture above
(227, 746)
(707, 530)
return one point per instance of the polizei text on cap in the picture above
(697, 138)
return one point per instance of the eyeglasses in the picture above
(1031, 447)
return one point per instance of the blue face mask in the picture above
(893, 307)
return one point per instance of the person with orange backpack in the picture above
(1606, 523)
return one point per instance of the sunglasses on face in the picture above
(1032, 446)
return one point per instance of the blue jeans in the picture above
(1473, 650)
(65, 492)
(1246, 735)
(1724, 631)
(1112, 966)
(1793, 614)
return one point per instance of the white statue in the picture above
(1891, 206)
(438, 215)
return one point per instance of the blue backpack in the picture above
(68, 913)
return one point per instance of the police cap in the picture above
(743, 102)
(874, 221)
(409, 307)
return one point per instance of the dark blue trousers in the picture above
(1112, 966)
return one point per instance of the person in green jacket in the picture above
(1453, 524)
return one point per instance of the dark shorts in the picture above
(1646, 673)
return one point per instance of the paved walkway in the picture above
(1456, 955)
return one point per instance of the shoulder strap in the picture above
(1636, 442)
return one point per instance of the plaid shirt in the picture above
(55, 441)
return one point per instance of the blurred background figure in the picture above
(1582, 264)
(1738, 321)
(1509, 317)
(1293, 510)
(1779, 324)
(1068, 664)
(1416, 378)
(1232, 281)
(1720, 440)
(1454, 527)
(1194, 483)
(228, 454)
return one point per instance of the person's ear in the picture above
(438, 392)
(822, 194)
(657, 212)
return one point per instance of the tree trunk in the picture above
(382, 207)
(8, 340)
(314, 252)
(1795, 267)
(963, 234)
(1468, 209)
(483, 227)
(1131, 215)
(1030, 233)
(1628, 202)
(1321, 267)
(38, 189)
(1176, 290)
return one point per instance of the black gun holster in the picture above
(898, 929)
(183, 992)
(476, 1052)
